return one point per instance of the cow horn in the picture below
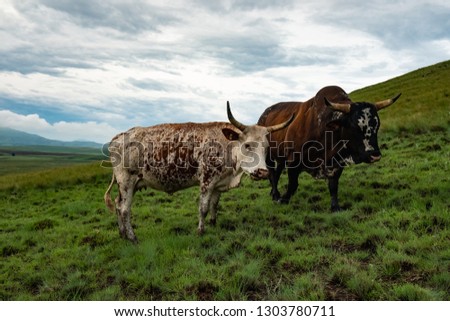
(233, 120)
(386, 103)
(282, 125)
(345, 108)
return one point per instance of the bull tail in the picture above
(108, 201)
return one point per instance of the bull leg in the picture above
(293, 173)
(333, 184)
(214, 202)
(274, 177)
(124, 211)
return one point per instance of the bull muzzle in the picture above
(259, 174)
(374, 159)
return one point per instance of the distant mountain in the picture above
(12, 137)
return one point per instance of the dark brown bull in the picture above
(329, 132)
(171, 157)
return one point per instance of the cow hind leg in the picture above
(124, 212)
(122, 232)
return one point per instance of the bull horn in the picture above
(345, 108)
(233, 120)
(282, 125)
(386, 103)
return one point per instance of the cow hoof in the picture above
(134, 240)
(212, 222)
(283, 201)
(200, 232)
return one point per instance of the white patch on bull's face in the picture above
(367, 146)
(363, 123)
(377, 123)
(349, 160)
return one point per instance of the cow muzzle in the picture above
(259, 174)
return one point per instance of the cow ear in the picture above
(230, 134)
(335, 124)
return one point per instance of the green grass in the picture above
(58, 241)
(391, 243)
(25, 159)
(60, 176)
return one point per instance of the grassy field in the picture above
(58, 241)
(19, 159)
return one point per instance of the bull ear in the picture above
(230, 134)
(335, 124)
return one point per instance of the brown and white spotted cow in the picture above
(171, 157)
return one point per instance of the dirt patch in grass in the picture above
(153, 292)
(203, 291)
(336, 292)
(432, 148)
(44, 224)
(9, 250)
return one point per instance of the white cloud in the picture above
(64, 131)
(13, 120)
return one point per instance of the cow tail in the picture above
(108, 201)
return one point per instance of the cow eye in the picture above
(247, 146)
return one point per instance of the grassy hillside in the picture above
(58, 241)
(424, 104)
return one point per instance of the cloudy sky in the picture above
(88, 69)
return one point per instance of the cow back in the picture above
(171, 157)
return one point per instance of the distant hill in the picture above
(424, 104)
(12, 137)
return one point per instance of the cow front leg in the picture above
(213, 205)
(203, 208)
(333, 186)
